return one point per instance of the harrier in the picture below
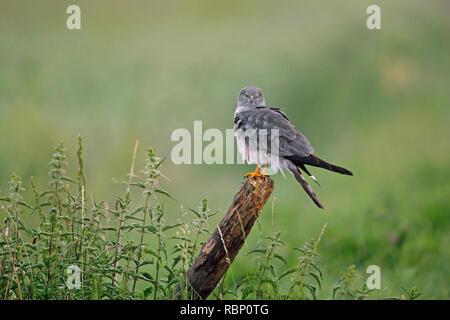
(294, 152)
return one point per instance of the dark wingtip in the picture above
(318, 203)
(345, 171)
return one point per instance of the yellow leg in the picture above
(263, 173)
(257, 172)
(254, 173)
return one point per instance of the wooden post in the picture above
(219, 252)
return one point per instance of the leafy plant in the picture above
(83, 248)
(94, 236)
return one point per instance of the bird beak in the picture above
(251, 97)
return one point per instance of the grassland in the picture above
(373, 101)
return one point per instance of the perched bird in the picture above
(294, 150)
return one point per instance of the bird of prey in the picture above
(294, 150)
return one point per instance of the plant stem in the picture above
(141, 242)
(122, 213)
(157, 264)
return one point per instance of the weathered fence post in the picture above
(219, 252)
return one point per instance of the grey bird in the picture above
(294, 150)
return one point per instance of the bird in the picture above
(294, 149)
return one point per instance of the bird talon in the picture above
(254, 174)
(257, 173)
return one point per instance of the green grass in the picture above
(373, 101)
(97, 240)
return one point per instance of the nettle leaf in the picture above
(148, 291)
(68, 179)
(138, 209)
(182, 238)
(171, 226)
(176, 260)
(138, 184)
(244, 280)
(318, 270)
(272, 270)
(151, 251)
(108, 229)
(195, 212)
(144, 277)
(259, 250)
(114, 212)
(164, 193)
(147, 275)
(134, 218)
(45, 193)
(169, 270)
(287, 272)
(44, 204)
(316, 277)
(64, 218)
(301, 250)
(146, 262)
(335, 289)
(150, 228)
(160, 162)
(213, 214)
(280, 258)
(312, 290)
(23, 203)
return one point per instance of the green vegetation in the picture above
(76, 231)
(375, 102)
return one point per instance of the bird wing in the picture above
(291, 141)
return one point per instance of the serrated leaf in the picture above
(301, 250)
(176, 260)
(68, 179)
(195, 212)
(287, 272)
(318, 270)
(146, 262)
(213, 214)
(316, 277)
(334, 291)
(280, 258)
(259, 250)
(138, 209)
(164, 193)
(150, 228)
(171, 226)
(138, 184)
(312, 290)
(108, 229)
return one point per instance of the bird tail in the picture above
(298, 175)
(312, 160)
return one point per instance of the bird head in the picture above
(251, 97)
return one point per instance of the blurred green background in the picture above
(376, 102)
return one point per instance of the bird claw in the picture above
(256, 173)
